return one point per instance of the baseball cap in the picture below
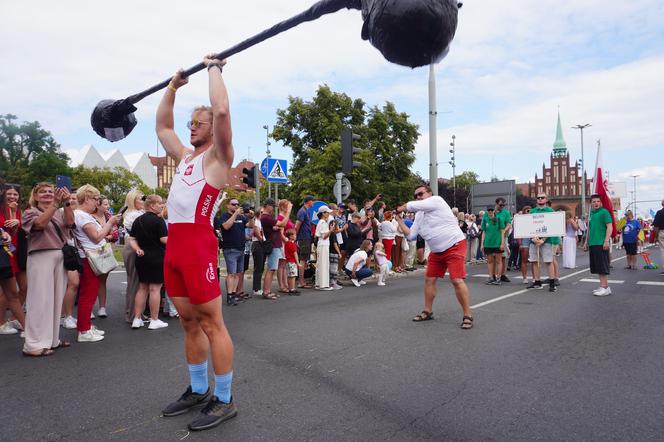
(342, 206)
(308, 198)
(324, 209)
(269, 202)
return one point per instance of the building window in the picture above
(564, 190)
(548, 179)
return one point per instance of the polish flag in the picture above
(601, 188)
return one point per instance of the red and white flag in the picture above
(601, 188)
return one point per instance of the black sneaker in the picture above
(214, 413)
(186, 402)
(553, 288)
(504, 278)
(491, 281)
(557, 282)
(535, 285)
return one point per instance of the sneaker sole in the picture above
(215, 423)
(181, 412)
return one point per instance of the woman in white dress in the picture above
(569, 242)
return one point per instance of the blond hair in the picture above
(152, 199)
(283, 204)
(86, 191)
(131, 198)
(35, 190)
(207, 109)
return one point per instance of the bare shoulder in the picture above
(217, 172)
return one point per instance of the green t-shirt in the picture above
(550, 239)
(491, 229)
(597, 226)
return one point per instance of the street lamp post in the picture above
(267, 153)
(453, 163)
(583, 171)
(433, 144)
(635, 176)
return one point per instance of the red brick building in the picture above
(166, 170)
(561, 181)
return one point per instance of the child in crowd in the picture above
(382, 262)
(290, 249)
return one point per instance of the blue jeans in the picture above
(361, 273)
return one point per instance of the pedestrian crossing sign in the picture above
(277, 170)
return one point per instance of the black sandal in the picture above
(467, 323)
(294, 292)
(424, 316)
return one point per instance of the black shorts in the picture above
(419, 244)
(630, 248)
(492, 251)
(5, 273)
(599, 261)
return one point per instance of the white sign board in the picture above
(617, 189)
(539, 224)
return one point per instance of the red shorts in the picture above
(190, 264)
(452, 259)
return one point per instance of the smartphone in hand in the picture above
(63, 181)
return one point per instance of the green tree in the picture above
(28, 153)
(312, 130)
(114, 184)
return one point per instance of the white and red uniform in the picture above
(190, 264)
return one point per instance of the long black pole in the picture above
(316, 11)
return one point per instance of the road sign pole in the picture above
(276, 192)
(337, 193)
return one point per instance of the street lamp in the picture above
(453, 163)
(583, 171)
(635, 176)
(267, 153)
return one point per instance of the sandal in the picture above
(424, 316)
(43, 352)
(271, 296)
(294, 292)
(283, 291)
(62, 344)
(305, 286)
(467, 323)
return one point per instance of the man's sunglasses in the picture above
(541, 197)
(195, 123)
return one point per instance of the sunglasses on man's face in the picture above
(541, 197)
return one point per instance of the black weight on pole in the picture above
(407, 32)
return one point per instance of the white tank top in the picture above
(191, 199)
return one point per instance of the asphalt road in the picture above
(350, 365)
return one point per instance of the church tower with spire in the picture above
(560, 181)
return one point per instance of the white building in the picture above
(139, 163)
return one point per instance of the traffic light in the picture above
(348, 151)
(251, 177)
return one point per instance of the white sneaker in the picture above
(102, 312)
(363, 283)
(92, 315)
(156, 323)
(258, 292)
(380, 283)
(525, 281)
(137, 323)
(97, 331)
(337, 287)
(14, 323)
(325, 289)
(69, 322)
(89, 336)
(603, 292)
(597, 290)
(7, 329)
(355, 282)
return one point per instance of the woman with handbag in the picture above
(148, 238)
(102, 215)
(135, 205)
(94, 252)
(48, 229)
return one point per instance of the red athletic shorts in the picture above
(190, 264)
(452, 259)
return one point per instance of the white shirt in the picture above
(259, 226)
(387, 230)
(359, 256)
(129, 217)
(82, 219)
(381, 258)
(322, 228)
(435, 222)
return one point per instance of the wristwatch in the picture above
(211, 65)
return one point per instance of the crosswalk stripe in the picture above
(611, 281)
(649, 283)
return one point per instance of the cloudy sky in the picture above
(512, 65)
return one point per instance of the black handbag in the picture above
(4, 258)
(72, 260)
(267, 247)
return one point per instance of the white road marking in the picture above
(520, 292)
(650, 283)
(611, 281)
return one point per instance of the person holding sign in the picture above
(541, 249)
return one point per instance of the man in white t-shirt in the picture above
(435, 222)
